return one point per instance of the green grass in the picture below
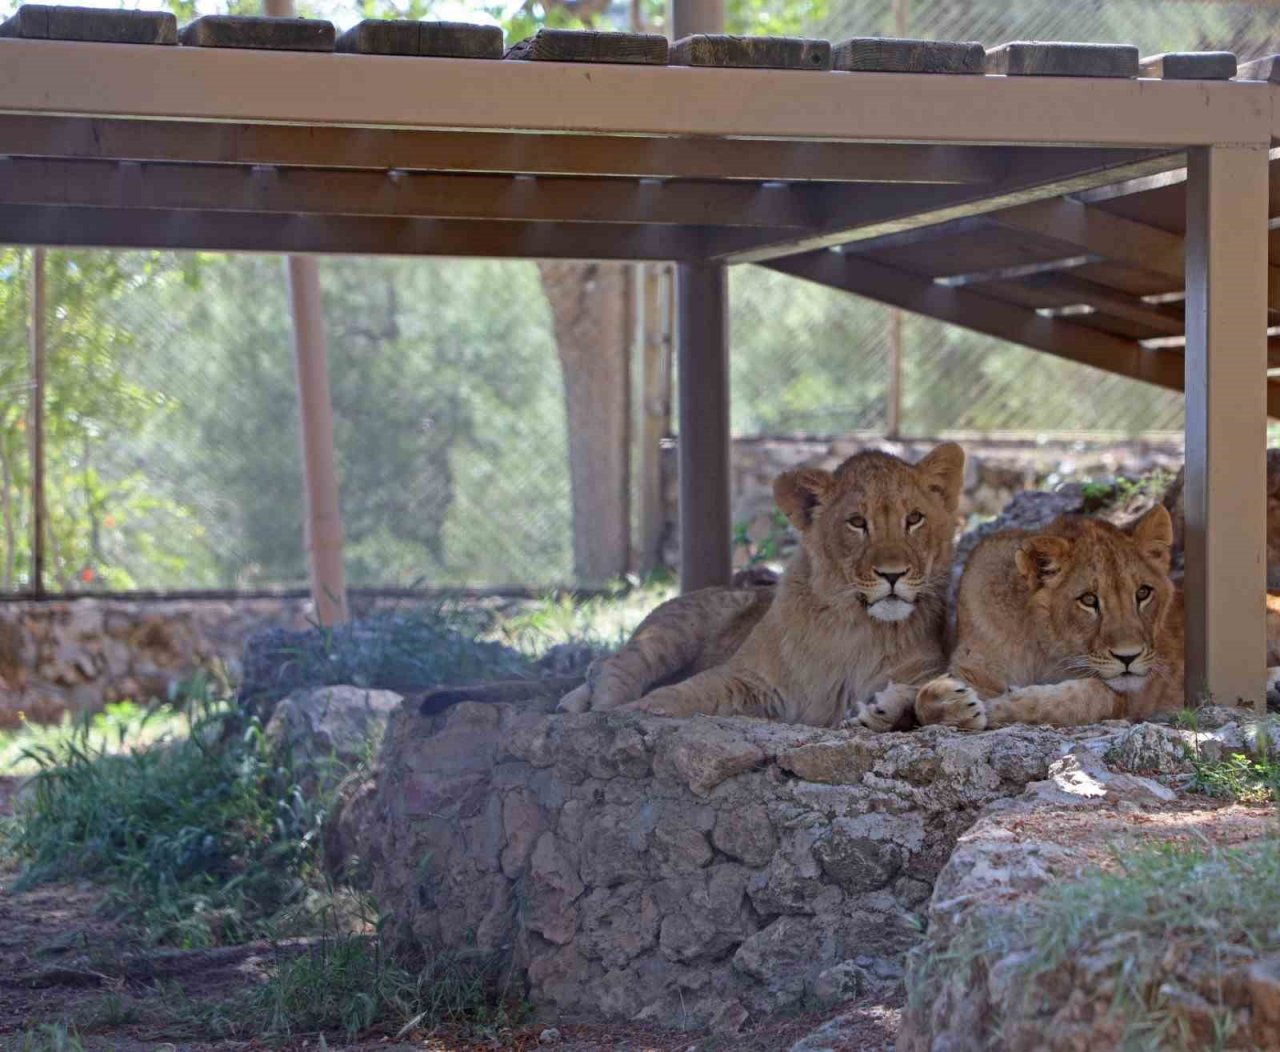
(199, 840)
(52, 1037)
(1220, 903)
(604, 621)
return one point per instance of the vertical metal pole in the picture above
(1226, 363)
(901, 12)
(35, 413)
(322, 531)
(703, 387)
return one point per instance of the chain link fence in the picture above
(172, 453)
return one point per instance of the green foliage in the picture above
(50, 1037)
(1215, 902)
(771, 547)
(200, 841)
(1249, 779)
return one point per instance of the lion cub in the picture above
(1072, 625)
(860, 609)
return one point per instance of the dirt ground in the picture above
(62, 960)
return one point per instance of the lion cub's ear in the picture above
(1040, 559)
(800, 493)
(1153, 534)
(942, 471)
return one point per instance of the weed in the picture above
(200, 841)
(1249, 779)
(50, 1037)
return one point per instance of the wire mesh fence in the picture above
(172, 453)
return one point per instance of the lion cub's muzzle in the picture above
(893, 595)
(1124, 669)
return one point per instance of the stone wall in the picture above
(78, 654)
(687, 872)
(997, 468)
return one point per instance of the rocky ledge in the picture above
(703, 872)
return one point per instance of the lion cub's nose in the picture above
(1126, 657)
(891, 576)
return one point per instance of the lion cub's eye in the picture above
(1145, 593)
(1089, 601)
(857, 522)
(914, 519)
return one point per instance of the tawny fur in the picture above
(836, 630)
(1041, 618)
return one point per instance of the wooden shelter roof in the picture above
(1042, 203)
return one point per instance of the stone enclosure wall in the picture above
(687, 872)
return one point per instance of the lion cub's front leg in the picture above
(952, 702)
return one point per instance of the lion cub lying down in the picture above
(860, 609)
(1072, 625)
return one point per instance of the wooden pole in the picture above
(322, 530)
(1226, 390)
(703, 390)
(655, 409)
(706, 556)
(35, 413)
(901, 12)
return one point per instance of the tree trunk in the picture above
(590, 310)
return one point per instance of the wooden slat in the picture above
(245, 86)
(893, 55)
(342, 235)
(913, 207)
(665, 158)
(1035, 58)
(226, 188)
(262, 34)
(1267, 69)
(1129, 308)
(571, 45)
(50, 22)
(387, 36)
(1189, 65)
(1114, 237)
(707, 49)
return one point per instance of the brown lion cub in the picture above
(860, 608)
(1072, 625)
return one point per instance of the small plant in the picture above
(770, 548)
(1249, 779)
(51, 1037)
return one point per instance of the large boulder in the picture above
(698, 870)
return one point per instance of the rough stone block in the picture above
(377, 36)
(570, 45)
(704, 49)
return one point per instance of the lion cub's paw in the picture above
(661, 702)
(885, 710)
(951, 702)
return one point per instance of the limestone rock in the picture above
(344, 723)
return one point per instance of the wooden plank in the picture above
(312, 191)
(36, 348)
(402, 36)
(263, 34)
(381, 149)
(246, 86)
(1114, 237)
(343, 235)
(1034, 58)
(703, 397)
(716, 49)
(54, 22)
(1189, 65)
(912, 207)
(1129, 308)
(895, 55)
(1226, 360)
(574, 45)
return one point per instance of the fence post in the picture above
(35, 412)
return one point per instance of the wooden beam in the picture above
(228, 188)
(343, 235)
(1226, 358)
(35, 418)
(497, 152)
(1114, 237)
(706, 556)
(875, 216)
(993, 317)
(245, 86)
(1108, 301)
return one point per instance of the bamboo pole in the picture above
(322, 530)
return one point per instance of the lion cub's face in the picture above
(878, 531)
(1105, 595)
